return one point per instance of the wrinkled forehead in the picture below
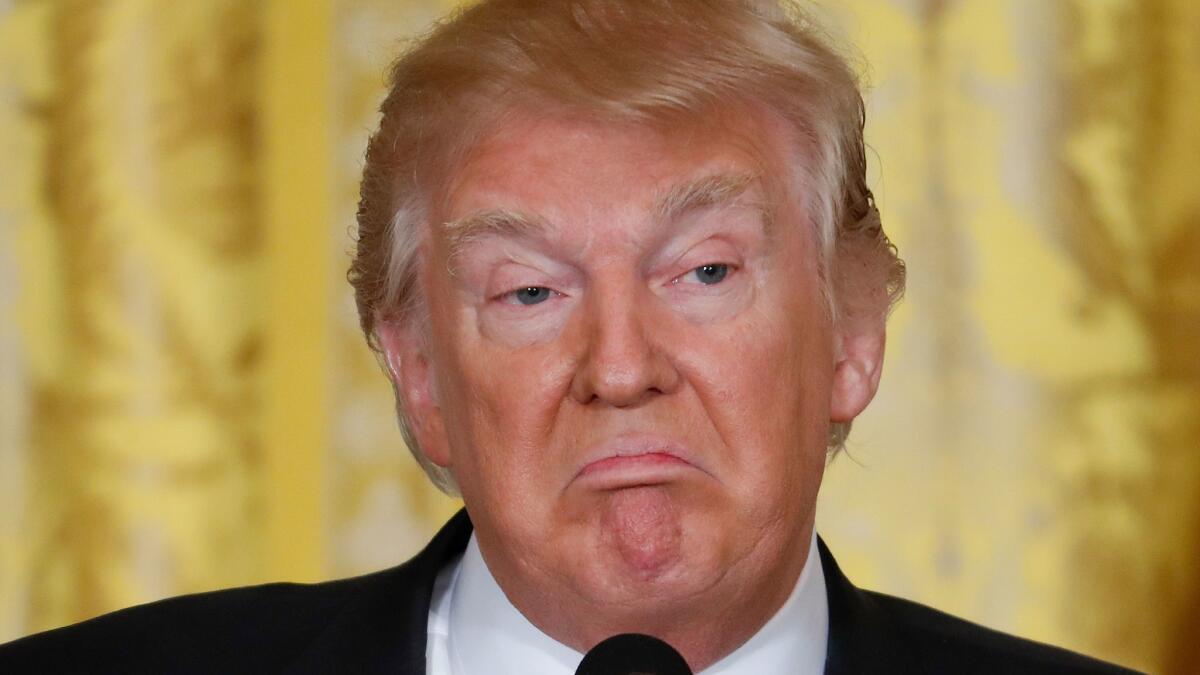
(528, 159)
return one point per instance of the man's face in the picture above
(631, 369)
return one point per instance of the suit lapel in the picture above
(862, 637)
(383, 627)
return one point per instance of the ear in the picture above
(857, 370)
(409, 364)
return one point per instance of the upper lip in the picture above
(634, 445)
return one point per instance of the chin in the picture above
(646, 548)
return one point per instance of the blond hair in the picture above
(641, 61)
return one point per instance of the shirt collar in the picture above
(487, 634)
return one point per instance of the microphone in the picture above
(633, 654)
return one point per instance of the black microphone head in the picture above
(633, 654)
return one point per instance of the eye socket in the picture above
(531, 295)
(710, 274)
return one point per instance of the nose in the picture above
(623, 364)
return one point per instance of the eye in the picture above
(531, 295)
(712, 273)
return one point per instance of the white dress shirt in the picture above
(475, 630)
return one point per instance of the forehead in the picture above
(555, 164)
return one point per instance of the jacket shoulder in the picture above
(370, 624)
(948, 644)
(250, 629)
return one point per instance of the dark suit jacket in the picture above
(377, 624)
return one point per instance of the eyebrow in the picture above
(499, 222)
(702, 193)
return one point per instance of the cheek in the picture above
(765, 383)
(508, 400)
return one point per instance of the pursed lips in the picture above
(635, 460)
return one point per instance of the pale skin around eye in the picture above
(709, 274)
(525, 298)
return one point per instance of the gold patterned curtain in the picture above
(186, 403)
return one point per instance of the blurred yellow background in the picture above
(186, 402)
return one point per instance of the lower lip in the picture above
(648, 469)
